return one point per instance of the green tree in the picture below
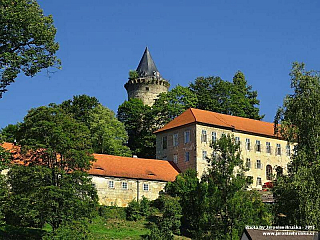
(27, 42)
(300, 123)
(139, 123)
(108, 135)
(219, 206)
(54, 187)
(80, 107)
(230, 205)
(171, 104)
(9, 133)
(213, 94)
(244, 100)
(4, 161)
(192, 196)
(233, 98)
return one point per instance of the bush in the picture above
(111, 212)
(72, 230)
(138, 209)
(160, 232)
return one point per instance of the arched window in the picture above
(279, 171)
(269, 172)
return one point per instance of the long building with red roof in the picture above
(119, 180)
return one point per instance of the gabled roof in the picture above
(193, 115)
(116, 166)
(137, 168)
(147, 67)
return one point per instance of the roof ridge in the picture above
(222, 120)
(152, 159)
(195, 119)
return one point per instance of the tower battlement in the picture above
(149, 83)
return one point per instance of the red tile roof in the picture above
(240, 124)
(138, 168)
(116, 166)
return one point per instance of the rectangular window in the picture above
(258, 146)
(247, 144)
(124, 185)
(237, 140)
(111, 184)
(164, 142)
(278, 150)
(186, 136)
(259, 183)
(268, 147)
(175, 158)
(214, 136)
(175, 139)
(186, 156)
(288, 150)
(259, 165)
(145, 187)
(204, 155)
(204, 136)
(248, 163)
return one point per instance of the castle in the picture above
(182, 144)
(147, 83)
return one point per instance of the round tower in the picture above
(146, 82)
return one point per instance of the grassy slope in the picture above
(112, 225)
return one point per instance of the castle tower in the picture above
(146, 83)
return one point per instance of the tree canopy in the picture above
(51, 186)
(108, 135)
(139, 123)
(27, 40)
(300, 123)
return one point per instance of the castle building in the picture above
(186, 141)
(146, 83)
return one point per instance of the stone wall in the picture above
(146, 89)
(120, 196)
(179, 150)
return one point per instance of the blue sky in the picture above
(100, 41)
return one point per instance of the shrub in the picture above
(71, 230)
(138, 209)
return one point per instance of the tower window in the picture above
(147, 88)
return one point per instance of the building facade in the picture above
(186, 141)
(148, 83)
(119, 180)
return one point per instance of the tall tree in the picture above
(214, 94)
(139, 123)
(244, 99)
(80, 107)
(300, 123)
(108, 135)
(233, 98)
(219, 206)
(9, 133)
(231, 207)
(27, 40)
(171, 104)
(4, 191)
(54, 187)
